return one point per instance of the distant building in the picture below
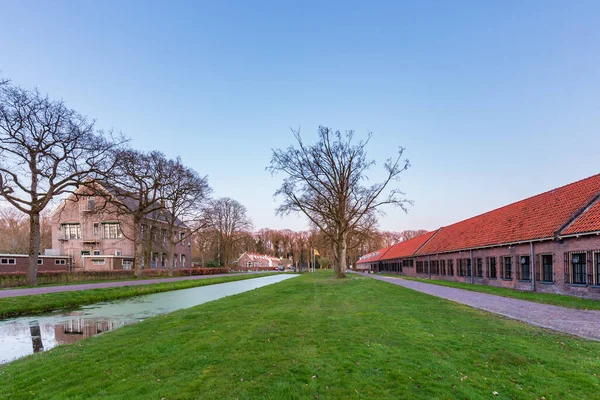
(20, 263)
(95, 236)
(547, 243)
(255, 262)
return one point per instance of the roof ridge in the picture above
(428, 240)
(577, 214)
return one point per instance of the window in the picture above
(112, 230)
(8, 261)
(183, 260)
(419, 267)
(468, 266)
(578, 261)
(547, 268)
(479, 268)
(450, 267)
(163, 233)
(525, 268)
(182, 237)
(40, 261)
(96, 229)
(492, 274)
(248, 264)
(461, 268)
(127, 264)
(175, 258)
(597, 268)
(71, 231)
(98, 261)
(443, 267)
(96, 252)
(85, 252)
(118, 253)
(61, 261)
(507, 268)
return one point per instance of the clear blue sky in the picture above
(494, 101)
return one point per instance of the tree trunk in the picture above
(171, 256)
(342, 252)
(34, 248)
(138, 246)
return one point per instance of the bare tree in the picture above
(324, 181)
(411, 234)
(228, 218)
(184, 194)
(46, 150)
(135, 188)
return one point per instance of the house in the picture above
(257, 262)
(546, 243)
(20, 263)
(97, 235)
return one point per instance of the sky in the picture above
(493, 101)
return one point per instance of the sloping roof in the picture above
(373, 256)
(256, 257)
(536, 217)
(408, 248)
(589, 221)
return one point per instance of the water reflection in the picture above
(26, 335)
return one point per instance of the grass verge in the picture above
(544, 298)
(316, 337)
(33, 304)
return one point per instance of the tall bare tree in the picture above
(325, 182)
(185, 193)
(46, 150)
(228, 218)
(135, 187)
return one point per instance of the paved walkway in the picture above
(582, 323)
(86, 286)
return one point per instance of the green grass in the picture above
(34, 304)
(315, 337)
(545, 298)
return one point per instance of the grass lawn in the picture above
(546, 298)
(34, 304)
(315, 337)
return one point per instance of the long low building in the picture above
(547, 243)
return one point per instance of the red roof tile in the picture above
(374, 256)
(408, 247)
(589, 221)
(537, 217)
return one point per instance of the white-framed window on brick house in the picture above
(40, 261)
(112, 230)
(524, 268)
(579, 268)
(183, 260)
(182, 238)
(8, 261)
(248, 264)
(127, 264)
(98, 261)
(96, 228)
(71, 231)
(118, 253)
(60, 261)
(175, 258)
(547, 268)
(96, 252)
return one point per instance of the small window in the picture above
(547, 268)
(96, 252)
(118, 253)
(479, 268)
(60, 261)
(96, 229)
(98, 261)
(40, 261)
(492, 273)
(507, 268)
(8, 261)
(127, 264)
(578, 261)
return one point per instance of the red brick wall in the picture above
(22, 263)
(555, 248)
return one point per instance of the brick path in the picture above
(582, 323)
(86, 286)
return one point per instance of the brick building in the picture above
(96, 236)
(255, 262)
(548, 243)
(20, 263)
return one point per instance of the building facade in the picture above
(546, 243)
(256, 262)
(97, 235)
(20, 263)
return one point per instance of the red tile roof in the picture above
(408, 247)
(373, 256)
(589, 221)
(537, 217)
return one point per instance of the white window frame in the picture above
(60, 261)
(40, 261)
(118, 253)
(109, 232)
(8, 261)
(98, 261)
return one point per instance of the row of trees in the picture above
(48, 150)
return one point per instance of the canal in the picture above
(31, 334)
